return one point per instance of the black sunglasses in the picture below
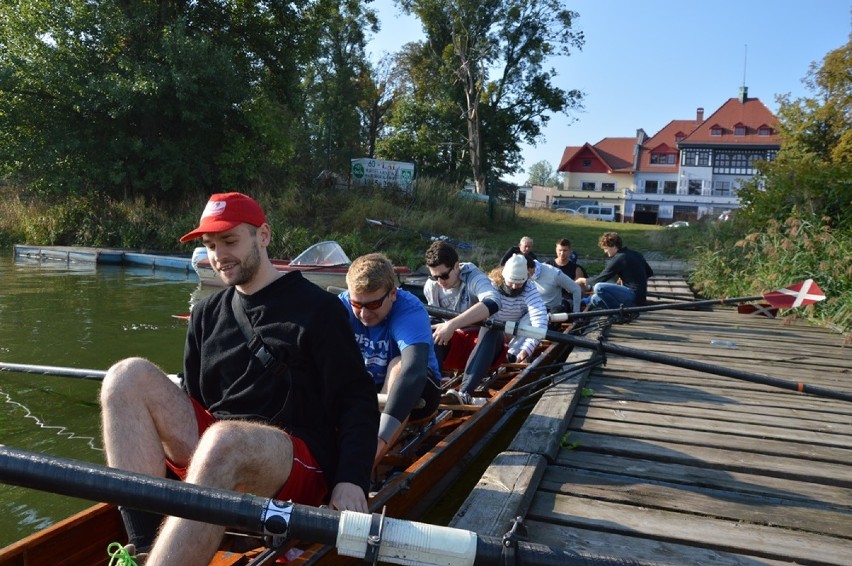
(443, 276)
(372, 305)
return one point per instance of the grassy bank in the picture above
(731, 260)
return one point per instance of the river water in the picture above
(77, 316)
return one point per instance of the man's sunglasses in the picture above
(443, 276)
(372, 305)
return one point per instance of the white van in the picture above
(597, 212)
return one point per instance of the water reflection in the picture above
(80, 316)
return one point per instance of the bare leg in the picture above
(241, 456)
(145, 418)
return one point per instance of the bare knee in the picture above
(242, 454)
(130, 375)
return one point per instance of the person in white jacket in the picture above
(521, 303)
(550, 282)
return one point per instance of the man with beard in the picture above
(276, 398)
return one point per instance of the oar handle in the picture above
(397, 541)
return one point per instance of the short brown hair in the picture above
(441, 253)
(610, 239)
(370, 273)
(564, 242)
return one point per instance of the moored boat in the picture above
(324, 263)
(428, 457)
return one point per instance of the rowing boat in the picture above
(324, 264)
(428, 458)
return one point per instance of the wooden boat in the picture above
(324, 263)
(428, 458)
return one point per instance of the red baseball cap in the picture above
(225, 211)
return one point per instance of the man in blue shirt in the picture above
(393, 331)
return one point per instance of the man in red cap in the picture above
(276, 404)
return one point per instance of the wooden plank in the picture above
(718, 458)
(683, 528)
(588, 542)
(758, 414)
(542, 431)
(692, 394)
(503, 493)
(754, 509)
(707, 421)
(696, 473)
(741, 443)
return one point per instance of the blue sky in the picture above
(647, 63)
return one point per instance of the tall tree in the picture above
(336, 82)
(813, 170)
(152, 98)
(495, 52)
(541, 174)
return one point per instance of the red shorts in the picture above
(306, 483)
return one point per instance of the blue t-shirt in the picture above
(407, 323)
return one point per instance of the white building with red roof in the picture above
(687, 170)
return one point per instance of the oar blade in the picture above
(798, 295)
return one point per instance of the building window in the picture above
(764, 131)
(670, 187)
(587, 163)
(651, 187)
(608, 187)
(588, 185)
(679, 137)
(704, 158)
(715, 131)
(694, 187)
(721, 188)
(689, 157)
(662, 159)
(739, 130)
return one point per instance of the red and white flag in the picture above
(796, 295)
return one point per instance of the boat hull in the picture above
(446, 446)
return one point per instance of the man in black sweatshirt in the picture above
(628, 266)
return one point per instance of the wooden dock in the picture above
(658, 464)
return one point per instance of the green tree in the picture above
(336, 83)
(147, 98)
(541, 173)
(489, 60)
(813, 171)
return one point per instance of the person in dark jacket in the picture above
(524, 247)
(628, 266)
(293, 416)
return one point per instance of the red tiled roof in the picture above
(615, 154)
(752, 114)
(665, 137)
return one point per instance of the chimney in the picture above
(699, 115)
(743, 94)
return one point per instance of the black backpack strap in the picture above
(255, 343)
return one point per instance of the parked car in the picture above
(678, 224)
(568, 211)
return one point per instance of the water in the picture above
(77, 316)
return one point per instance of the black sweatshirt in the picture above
(629, 266)
(328, 400)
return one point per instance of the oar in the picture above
(799, 294)
(54, 370)
(543, 333)
(95, 374)
(360, 535)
